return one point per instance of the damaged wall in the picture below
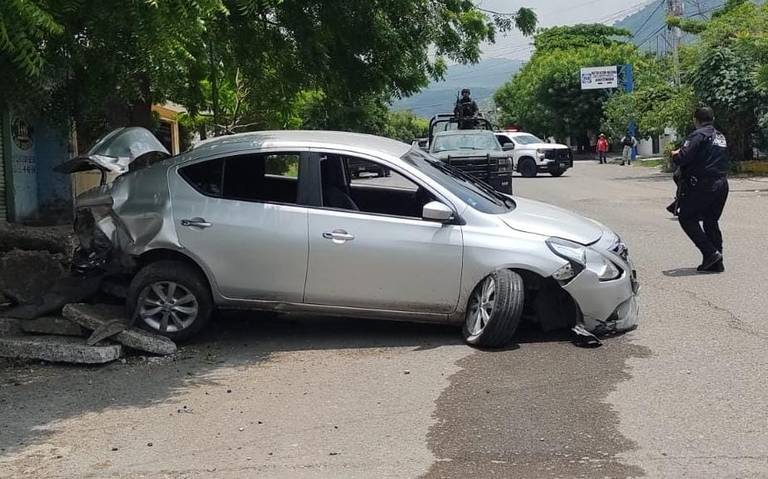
(35, 193)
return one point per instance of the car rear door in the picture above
(378, 261)
(239, 216)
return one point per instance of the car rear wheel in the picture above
(527, 167)
(494, 309)
(170, 298)
(557, 172)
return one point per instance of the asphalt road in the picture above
(685, 395)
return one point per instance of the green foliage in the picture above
(579, 36)
(728, 72)
(24, 26)
(545, 97)
(405, 126)
(237, 64)
(654, 105)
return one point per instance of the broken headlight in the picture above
(580, 257)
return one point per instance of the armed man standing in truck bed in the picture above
(703, 188)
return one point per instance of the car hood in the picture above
(547, 220)
(544, 146)
(459, 153)
(117, 150)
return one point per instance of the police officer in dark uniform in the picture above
(703, 188)
(466, 110)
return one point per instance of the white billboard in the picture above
(594, 78)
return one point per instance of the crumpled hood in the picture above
(116, 151)
(540, 218)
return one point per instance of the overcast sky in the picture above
(554, 12)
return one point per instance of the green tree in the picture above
(237, 64)
(545, 97)
(655, 104)
(728, 70)
(405, 126)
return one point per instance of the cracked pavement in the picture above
(684, 396)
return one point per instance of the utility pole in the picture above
(675, 8)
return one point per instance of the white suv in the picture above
(532, 154)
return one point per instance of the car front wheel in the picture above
(170, 298)
(527, 167)
(494, 309)
(557, 172)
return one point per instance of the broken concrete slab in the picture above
(60, 349)
(52, 325)
(25, 276)
(9, 327)
(92, 317)
(56, 239)
(68, 289)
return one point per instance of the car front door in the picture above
(368, 259)
(239, 216)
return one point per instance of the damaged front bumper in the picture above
(608, 307)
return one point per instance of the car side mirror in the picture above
(508, 146)
(436, 211)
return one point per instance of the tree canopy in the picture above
(237, 64)
(545, 97)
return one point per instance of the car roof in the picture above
(299, 139)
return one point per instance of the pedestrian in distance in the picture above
(629, 142)
(602, 149)
(703, 188)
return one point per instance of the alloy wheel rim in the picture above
(167, 306)
(482, 306)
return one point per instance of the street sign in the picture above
(595, 78)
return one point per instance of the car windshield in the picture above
(475, 193)
(527, 139)
(466, 141)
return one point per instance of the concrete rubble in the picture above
(58, 349)
(25, 276)
(92, 317)
(42, 311)
(52, 325)
(9, 327)
(55, 240)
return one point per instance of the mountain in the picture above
(483, 78)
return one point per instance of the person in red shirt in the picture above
(602, 148)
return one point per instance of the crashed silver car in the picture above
(273, 221)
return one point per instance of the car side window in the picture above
(257, 177)
(365, 172)
(503, 140)
(357, 184)
(263, 177)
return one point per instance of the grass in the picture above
(752, 168)
(652, 163)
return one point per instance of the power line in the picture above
(661, 4)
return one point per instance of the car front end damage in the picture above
(116, 221)
(602, 281)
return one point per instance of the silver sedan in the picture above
(273, 221)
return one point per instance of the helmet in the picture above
(465, 90)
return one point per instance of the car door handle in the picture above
(196, 223)
(338, 236)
